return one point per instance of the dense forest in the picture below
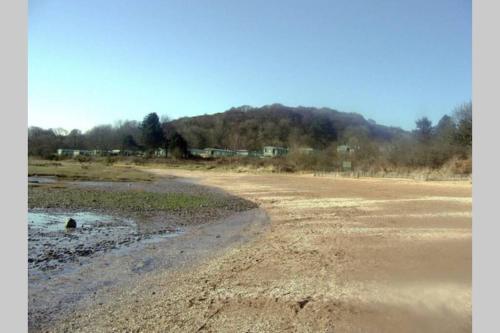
(252, 128)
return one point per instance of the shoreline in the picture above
(56, 295)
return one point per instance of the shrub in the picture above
(83, 158)
(110, 160)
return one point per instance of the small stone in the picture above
(71, 224)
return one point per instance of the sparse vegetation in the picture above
(98, 171)
(130, 201)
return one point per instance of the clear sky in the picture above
(97, 61)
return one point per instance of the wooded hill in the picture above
(252, 128)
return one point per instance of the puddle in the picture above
(52, 247)
(85, 220)
(42, 180)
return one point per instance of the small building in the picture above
(97, 152)
(196, 151)
(272, 151)
(65, 152)
(215, 152)
(255, 153)
(79, 152)
(242, 152)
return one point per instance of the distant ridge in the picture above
(247, 127)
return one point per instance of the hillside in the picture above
(251, 128)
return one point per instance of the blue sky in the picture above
(95, 62)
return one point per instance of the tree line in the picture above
(147, 136)
(251, 128)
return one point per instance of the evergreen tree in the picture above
(152, 133)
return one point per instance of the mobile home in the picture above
(272, 151)
(214, 152)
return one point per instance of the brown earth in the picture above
(341, 255)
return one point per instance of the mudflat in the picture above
(124, 231)
(340, 255)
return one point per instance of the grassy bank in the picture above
(47, 196)
(95, 170)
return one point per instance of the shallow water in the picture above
(53, 248)
(42, 180)
(55, 221)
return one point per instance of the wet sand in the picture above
(340, 255)
(71, 270)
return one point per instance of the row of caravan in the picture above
(269, 151)
(97, 152)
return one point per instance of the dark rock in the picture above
(303, 302)
(71, 224)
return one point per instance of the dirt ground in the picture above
(341, 255)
